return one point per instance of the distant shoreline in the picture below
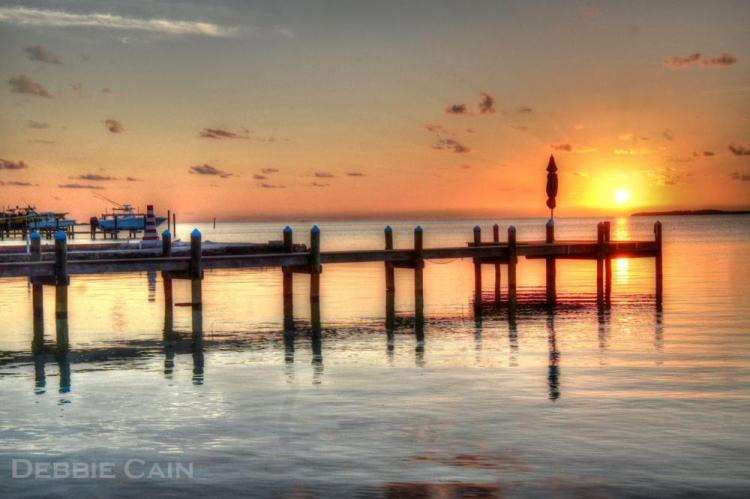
(690, 213)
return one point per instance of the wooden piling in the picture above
(315, 264)
(37, 290)
(551, 266)
(61, 317)
(196, 254)
(390, 273)
(288, 282)
(607, 266)
(600, 264)
(477, 270)
(168, 304)
(418, 278)
(169, 220)
(658, 264)
(166, 243)
(496, 240)
(174, 225)
(512, 261)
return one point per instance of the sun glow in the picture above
(622, 196)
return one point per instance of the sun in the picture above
(622, 196)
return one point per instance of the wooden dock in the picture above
(56, 267)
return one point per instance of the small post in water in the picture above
(390, 273)
(37, 296)
(61, 258)
(607, 266)
(551, 264)
(196, 265)
(477, 269)
(600, 264)
(315, 264)
(288, 282)
(496, 240)
(659, 268)
(512, 261)
(166, 243)
(418, 278)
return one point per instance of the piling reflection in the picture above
(603, 320)
(40, 378)
(390, 323)
(61, 318)
(196, 293)
(513, 339)
(553, 375)
(151, 278)
(316, 342)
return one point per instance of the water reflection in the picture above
(553, 376)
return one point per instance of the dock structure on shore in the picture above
(55, 267)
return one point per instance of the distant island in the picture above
(689, 213)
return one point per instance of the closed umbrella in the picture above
(551, 185)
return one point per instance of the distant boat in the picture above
(125, 218)
(50, 221)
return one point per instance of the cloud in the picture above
(41, 54)
(450, 145)
(133, 179)
(355, 174)
(588, 11)
(436, 128)
(22, 84)
(316, 184)
(7, 164)
(258, 176)
(113, 126)
(95, 177)
(679, 62)
(270, 186)
(269, 170)
(524, 109)
(625, 136)
(562, 147)
(37, 125)
(40, 141)
(523, 128)
(486, 103)
(457, 109)
(739, 150)
(217, 133)
(209, 170)
(323, 175)
(741, 176)
(80, 186)
(667, 135)
(23, 16)
(16, 183)
(709, 153)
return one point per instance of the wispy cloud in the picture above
(562, 147)
(457, 109)
(269, 170)
(741, 176)
(37, 125)
(679, 62)
(209, 170)
(355, 174)
(113, 126)
(132, 179)
(7, 164)
(16, 183)
(270, 186)
(524, 109)
(94, 177)
(218, 133)
(80, 186)
(667, 134)
(22, 84)
(41, 54)
(258, 176)
(739, 150)
(486, 103)
(323, 175)
(23, 16)
(451, 145)
(318, 184)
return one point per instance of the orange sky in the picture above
(251, 111)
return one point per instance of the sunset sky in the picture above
(252, 110)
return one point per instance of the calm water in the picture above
(629, 402)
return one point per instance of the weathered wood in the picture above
(315, 264)
(512, 262)
(61, 318)
(658, 265)
(166, 243)
(496, 240)
(477, 270)
(418, 278)
(174, 225)
(168, 303)
(551, 266)
(607, 266)
(600, 263)
(288, 282)
(196, 254)
(61, 258)
(390, 273)
(37, 296)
